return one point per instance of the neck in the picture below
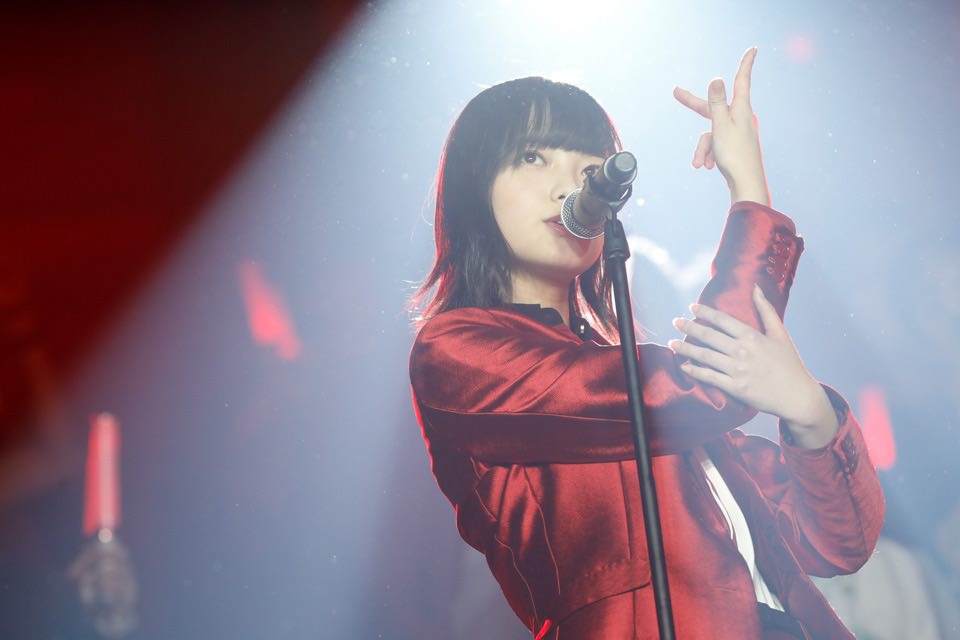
(554, 296)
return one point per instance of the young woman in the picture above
(522, 399)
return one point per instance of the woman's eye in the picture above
(531, 157)
(590, 171)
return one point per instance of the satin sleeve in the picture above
(503, 388)
(827, 503)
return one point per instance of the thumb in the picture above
(717, 96)
(772, 324)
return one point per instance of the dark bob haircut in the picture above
(472, 267)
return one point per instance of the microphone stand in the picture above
(613, 186)
(615, 252)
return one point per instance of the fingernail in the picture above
(678, 322)
(694, 308)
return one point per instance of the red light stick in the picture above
(101, 513)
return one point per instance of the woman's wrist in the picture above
(815, 424)
(754, 190)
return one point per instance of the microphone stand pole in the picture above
(616, 250)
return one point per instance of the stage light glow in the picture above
(800, 48)
(564, 15)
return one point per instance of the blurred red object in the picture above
(267, 314)
(101, 509)
(877, 427)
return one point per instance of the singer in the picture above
(520, 392)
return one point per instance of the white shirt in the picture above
(737, 525)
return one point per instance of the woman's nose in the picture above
(567, 181)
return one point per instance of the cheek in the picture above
(505, 223)
(497, 204)
(507, 206)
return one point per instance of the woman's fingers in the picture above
(741, 82)
(709, 357)
(734, 145)
(704, 151)
(717, 99)
(726, 323)
(710, 376)
(716, 102)
(692, 102)
(709, 336)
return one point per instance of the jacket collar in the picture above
(551, 317)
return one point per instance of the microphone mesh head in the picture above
(570, 221)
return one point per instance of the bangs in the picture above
(559, 117)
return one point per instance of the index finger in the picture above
(741, 82)
(726, 323)
(692, 102)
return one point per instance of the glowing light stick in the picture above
(101, 512)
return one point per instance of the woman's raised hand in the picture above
(733, 143)
(762, 370)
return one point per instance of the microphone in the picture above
(585, 210)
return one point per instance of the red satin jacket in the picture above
(528, 431)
